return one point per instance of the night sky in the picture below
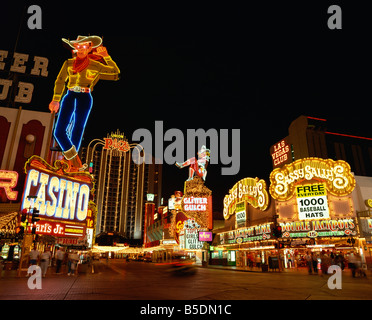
(224, 66)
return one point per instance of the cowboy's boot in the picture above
(76, 163)
(73, 159)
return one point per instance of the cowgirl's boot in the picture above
(182, 165)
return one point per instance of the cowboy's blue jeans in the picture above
(74, 111)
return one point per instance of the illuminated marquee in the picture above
(8, 181)
(319, 228)
(336, 175)
(60, 195)
(59, 229)
(242, 235)
(251, 190)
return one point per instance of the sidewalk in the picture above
(94, 267)
(300, 271)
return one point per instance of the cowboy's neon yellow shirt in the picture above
(86, 78)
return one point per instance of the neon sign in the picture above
(197, 202)
(59, 195)
(253, 233)
(198, 167)
(205, 236)
(8, 181)
(280, 153)
(318, 228)
(336, 175)
(90, 63)
(194, 204)
(120, 145)
(59, 229)
(248, 189)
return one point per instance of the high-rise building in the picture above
(310, 137)
(121, 185)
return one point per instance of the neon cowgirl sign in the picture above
(82, 72)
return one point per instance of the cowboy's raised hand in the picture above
(102, 51)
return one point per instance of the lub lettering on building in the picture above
(62, 197)
(19, 63)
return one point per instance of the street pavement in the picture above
(120, 280)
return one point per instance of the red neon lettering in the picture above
(8, 180)
(108, 143)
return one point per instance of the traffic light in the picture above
(21, 230)
(35, 215)
(277, 231)
(23, 224)
(23, 215)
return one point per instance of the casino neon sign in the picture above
(336, 175)
(251, 190)
(59, 195)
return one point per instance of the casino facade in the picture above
(319, 204)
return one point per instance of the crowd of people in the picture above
(325, 260)
(61, 258)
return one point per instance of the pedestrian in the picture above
(325, 263)
(258, 261)
(44, 261)
(59, 256)
(34, 255)
(315, 262)
(340, 261)
(352, 263)
(73, 259)
(309, 261)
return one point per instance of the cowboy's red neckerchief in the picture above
(80, 64)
